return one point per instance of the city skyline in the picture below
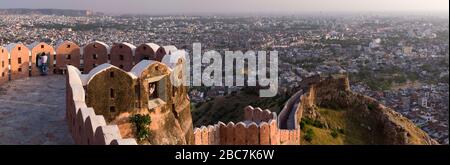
(234, 6)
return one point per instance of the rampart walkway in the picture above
(32, 112)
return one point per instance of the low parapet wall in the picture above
(259, 128)
(86, 127)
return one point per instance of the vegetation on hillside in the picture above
(334, 127)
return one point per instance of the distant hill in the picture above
(59, 12)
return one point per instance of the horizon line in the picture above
(275, 13)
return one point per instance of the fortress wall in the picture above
(84, 58)
(94, 54)
(274, 133)
(144, 51)
(197, 136)
(79, 125)
(240, 137)
(264, 134)
(91, 125)
(258, 115)
(211, 134)
(288, 108)
(49, 51)
(223, 133)
(4, 63)
(85, 126)
(230, 133)
(207, 135)
(104, 135)
(248, 132)
(83, 113)
(204, 135)
(19, 61)
(252, 134)
(122, 56)
(67, 53)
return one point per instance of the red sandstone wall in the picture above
(258, 115)
(94, 54)
(260, 128)
(67, 53)
(3, 65)
(49, 51)
(85, 126)
(122, 56)
(145, 51)
(20, 56)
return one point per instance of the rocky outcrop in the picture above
(384, 124)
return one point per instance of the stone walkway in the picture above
(32, 112)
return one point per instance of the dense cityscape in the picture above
(402, 60)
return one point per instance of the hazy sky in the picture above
(231, 6)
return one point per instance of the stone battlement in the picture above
(19, 60)
(101, 102)
(260, 127)
(147, 63)
(86, 127)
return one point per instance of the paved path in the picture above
(32, 111)
(287, 114)
(291, 119)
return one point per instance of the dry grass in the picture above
(349, 132)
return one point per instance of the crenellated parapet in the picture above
(260, 127)
(19, 60)
(86, 127)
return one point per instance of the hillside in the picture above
(333, 114)
(330, 113)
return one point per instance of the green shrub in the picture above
(334, 133)
(141, 123)
(302, 124)
(315, 123)
(309, 135)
